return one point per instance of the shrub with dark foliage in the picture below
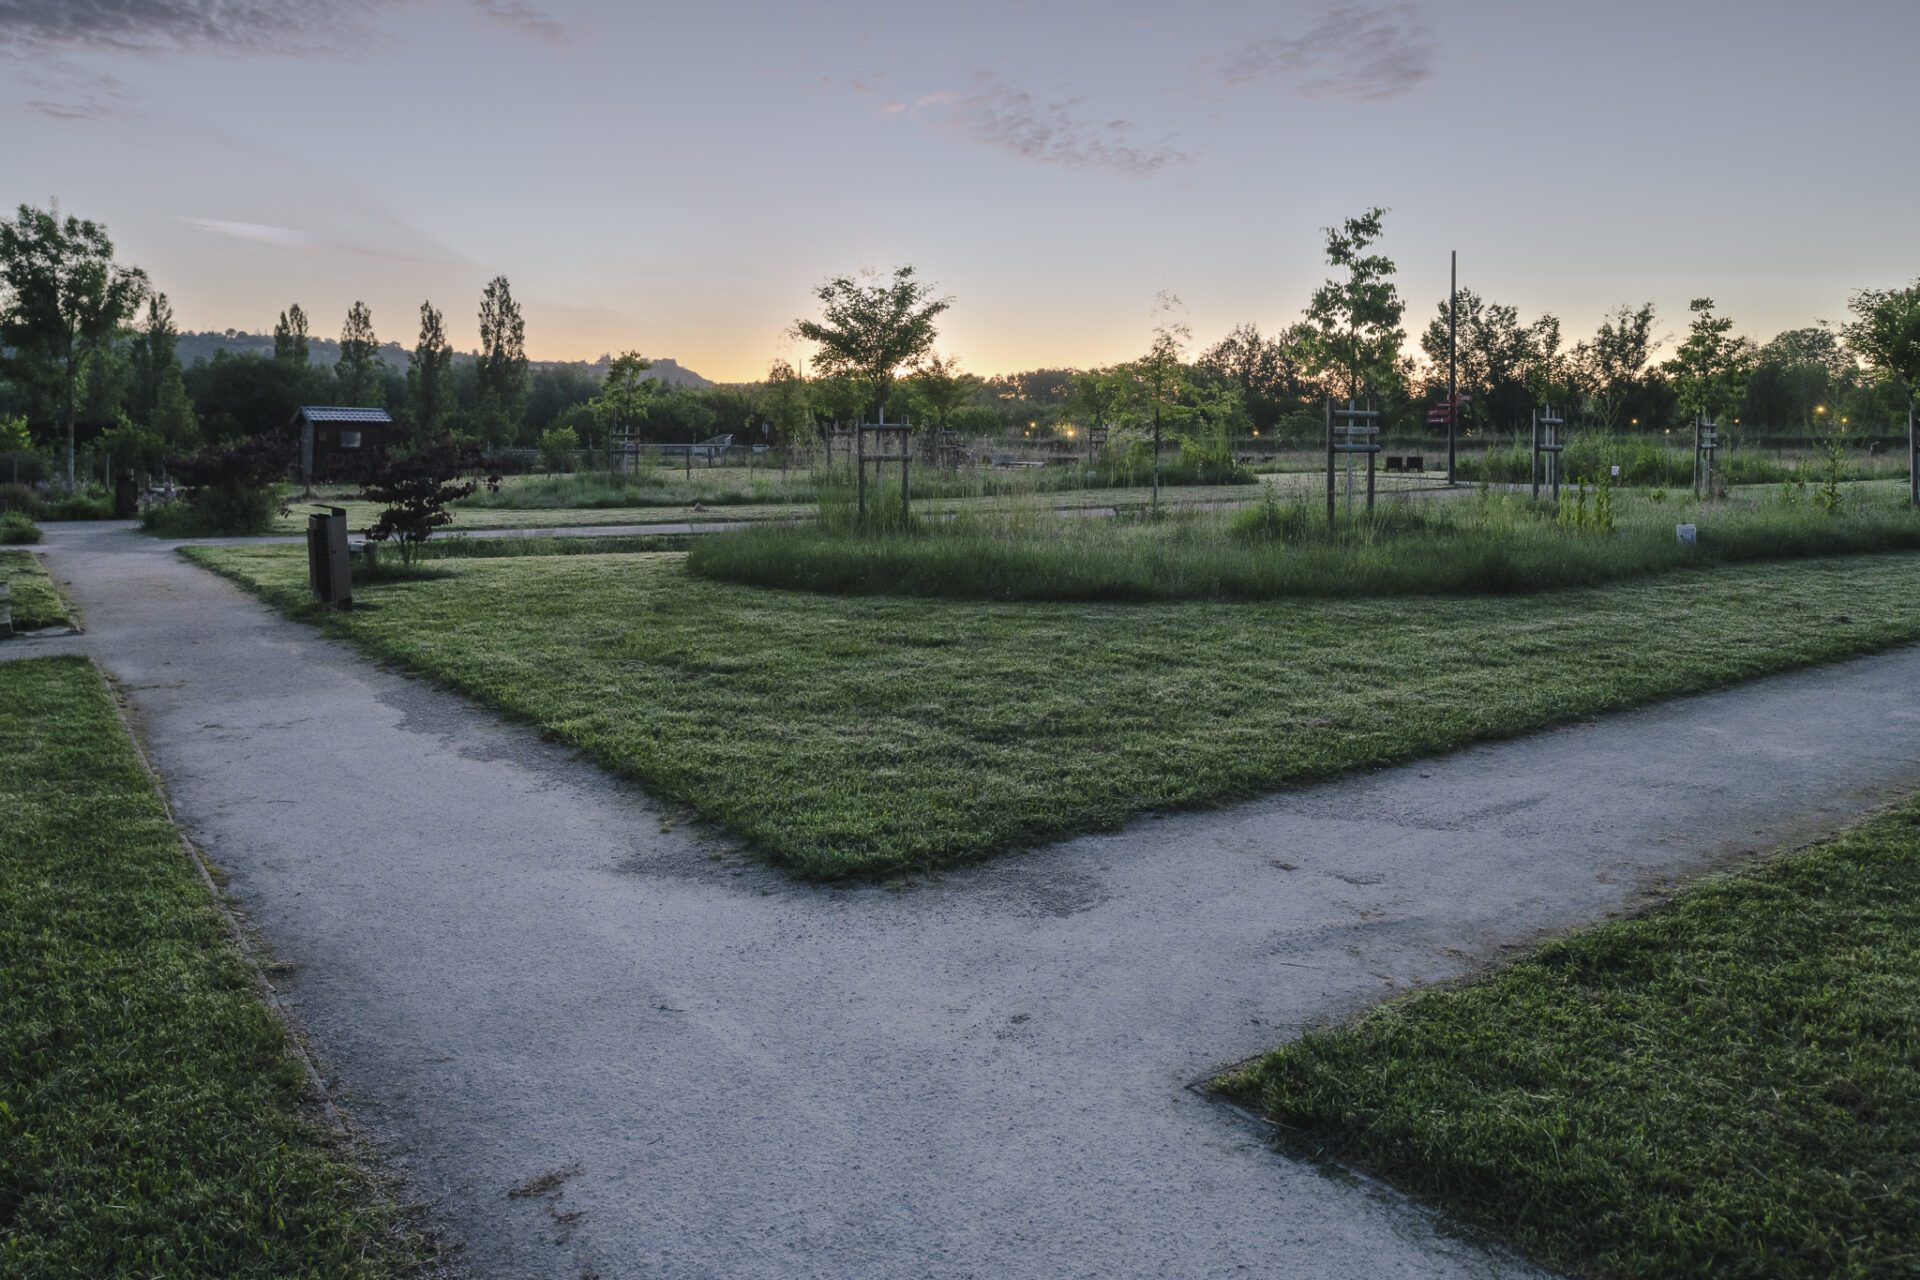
(416, 488)
(228, 489)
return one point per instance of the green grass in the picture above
(522, 509)
(152, 1120)
(1729, 1086)
(1666, 459)
(16, 530)
(1487, 545)
(36, 603)
(858, 736)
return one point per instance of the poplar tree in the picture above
(290, 337)
(430, 376)
(502, 363)
(358, 373)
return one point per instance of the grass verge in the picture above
(1728, 1086)
(36, 602)
(860, 736)
(152, 1119)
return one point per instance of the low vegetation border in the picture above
(36, 601)
(153, 1119)
(1727, 1086)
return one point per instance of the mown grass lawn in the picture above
(1729, 1086)
(36, 602)
(870, 735)
(152, 1120)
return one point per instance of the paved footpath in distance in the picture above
(518, 978)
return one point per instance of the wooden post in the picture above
(1371, 458)
(1534, 471)
(860, 466)
(1913, 459)
(1330, 512)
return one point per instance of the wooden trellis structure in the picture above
(1706, 443)
(1351, 431)
(1547, 447)
(892, 442)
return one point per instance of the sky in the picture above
(675, 179)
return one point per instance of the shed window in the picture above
(349, 439)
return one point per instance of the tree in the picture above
(1355, 322)
(557, 446)
(1097, 396)
(1504, 367)
(939, 390)
(502, 362)
(625, 395)
(1709, 369)
(786, 403)
(173, 419)
(16, 442)
(430, 377)
(62, 300)
(152, 354)
(414, 491)
(1611, 370)
(1885, 333)
(1156, 377)
(1270, 372)
(872, 327)
(290, 337)
(358, 373)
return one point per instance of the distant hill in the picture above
(325, 352)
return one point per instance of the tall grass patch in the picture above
(1489, 544)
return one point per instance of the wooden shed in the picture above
(335, 440)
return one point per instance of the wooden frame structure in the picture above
(1351, 431)
(1547, 449)
(894, 436)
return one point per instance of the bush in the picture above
(17, 530)
(81, 504)
(557, 445)
(230, 489)
(415, 490)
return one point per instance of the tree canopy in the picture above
(1355, 320)
(872, 327)
(62, 300)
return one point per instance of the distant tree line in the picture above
(90, 360)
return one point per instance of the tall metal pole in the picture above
(1453, 361)
(1913, 458)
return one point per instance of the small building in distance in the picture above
(335, 440)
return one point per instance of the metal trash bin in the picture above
(329, 563)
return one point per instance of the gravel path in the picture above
(608, 1046)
